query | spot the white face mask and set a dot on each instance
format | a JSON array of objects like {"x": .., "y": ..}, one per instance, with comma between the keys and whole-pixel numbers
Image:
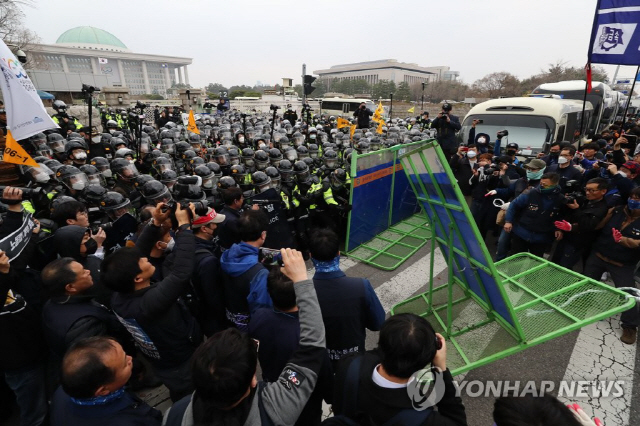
[
  {"x": 482, "y": 140},
  {"x": 80, "y": 155},
  {"x": 562, "y": 160},
  {"x": 78, "y": 186},
  {"x": 471, "y": 154},
  {"x": 170, "y": 245},
  {"x": 240, "y": 139}
]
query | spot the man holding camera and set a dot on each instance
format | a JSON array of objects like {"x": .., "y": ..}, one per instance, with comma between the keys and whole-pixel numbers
[
  {"x": 290, "y": 115},
  {"x": 447, "y": 125},
  {"x": 362, "y": 114},
  {"x": 154, "y": 313},
  {"x": 583, "y": 215}
]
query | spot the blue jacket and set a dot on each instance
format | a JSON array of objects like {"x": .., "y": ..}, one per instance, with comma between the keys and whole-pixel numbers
[
  {"x": 236, "y": 261},
  {"x": 546, "y": 207}
]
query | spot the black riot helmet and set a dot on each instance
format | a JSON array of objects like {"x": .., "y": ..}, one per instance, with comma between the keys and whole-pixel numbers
[
  {"x": 286, "y": 170},
  {"x": 338, "y": 178},
  {"x": 169, "y": 178},
  {"x": 92, "y": 195},
  {"x": 209, "y": 179},
  {"x": 313, "y": 150},
  {"x": 55, "y": 142},
  {"x": 234, "y": 156},
  {"x": 275, "y": 156},
  {"x": 103, "y": 166},
  {"x": 59, "y": 105},
  {"x": 262, "y": 159},
  {"x": 94, "y": 176},
  {"x": 301, "y": 171},
  {"x": 215, "y": 168},
  {"x": 181, "y": 147},
  {"x": 238, "y": 173},
  {"x": 261, "y": 181},
  {"x": 330, "y": 159},
  {"x": 124, "y": 169},
  {"x": 221, "y": 156},
  {"x": 247, "y": 157},
  {"x": 112, "y": 201},
  {"x": 274, "y": 175},
  {"x": 72, "y": 177},
  {"x": 226, "y": 182},
  {"x": 155, "y": 192},
  {"x": 302, "y": 151},
  {"x": 141, "y": 180}
]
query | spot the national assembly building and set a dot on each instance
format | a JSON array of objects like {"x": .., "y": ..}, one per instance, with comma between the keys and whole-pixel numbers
[{"x": 88, "y": 55}]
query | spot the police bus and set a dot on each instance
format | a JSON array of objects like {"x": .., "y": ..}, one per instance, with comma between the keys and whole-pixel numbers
[
  {"x": 603, "y": 99},
  {"x": 533, "y": 123},
  {"x": 343, "y": 107}
]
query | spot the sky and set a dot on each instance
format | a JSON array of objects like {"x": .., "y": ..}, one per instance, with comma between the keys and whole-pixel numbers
[{"x": 246, "y": 41}]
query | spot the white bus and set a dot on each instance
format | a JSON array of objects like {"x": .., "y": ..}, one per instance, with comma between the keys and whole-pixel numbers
[
  {"x": 602, "y": 98},
  {"x": 343, "y": 107},
  {"x": 533, "y": 123}
]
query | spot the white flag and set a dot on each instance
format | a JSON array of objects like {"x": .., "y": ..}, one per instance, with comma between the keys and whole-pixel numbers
[
  {"x": 103, "y": 61},
  {"x": 26, "y": 115}
]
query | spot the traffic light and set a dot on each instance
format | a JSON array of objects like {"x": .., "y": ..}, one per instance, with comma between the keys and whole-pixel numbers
[{"x": 308, "y": 88}]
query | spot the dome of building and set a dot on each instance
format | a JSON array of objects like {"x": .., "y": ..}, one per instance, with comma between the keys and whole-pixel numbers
[{"x": 91, "y": 38}]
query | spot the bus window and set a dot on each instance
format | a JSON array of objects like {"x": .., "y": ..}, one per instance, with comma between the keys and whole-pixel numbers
[
  {"x": 345, "y": 108},
  {"x": 560, "y": 136}
]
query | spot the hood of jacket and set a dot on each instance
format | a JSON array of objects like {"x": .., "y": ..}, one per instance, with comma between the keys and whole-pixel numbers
[
  {"x": 238, "y": 259},
  {"x": 68, "y": 239}
]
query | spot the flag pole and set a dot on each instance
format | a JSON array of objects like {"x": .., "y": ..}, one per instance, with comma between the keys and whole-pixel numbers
[
  {"x": 626, "y": 108},
  {"x": 584, "y": 103}
]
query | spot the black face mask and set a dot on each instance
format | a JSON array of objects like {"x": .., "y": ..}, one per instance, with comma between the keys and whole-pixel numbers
[
  {"x": 91, "y": 246},
  {"x": 554, "y": 154},
  {"x": 511, "y": 152}
]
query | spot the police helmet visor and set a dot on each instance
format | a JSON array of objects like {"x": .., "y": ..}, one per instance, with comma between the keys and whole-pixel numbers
[
  {"x": 291, "y": 155},
  {"x": 331, "y": 163},
  {"x": 298, "y": 139},
  {"x": 222, "y": 160},
  {"x": 76, "y": 181},
  {"x": 164, "y": 167},
  {"x": 303, "y": 176},
  {"x": 97, "y": 179},
  {"x": 286, "y": 176},
  {"x": 57, "y": 146},
  {"x": 249, "y": 162},
  {"x": 169, "y": 148},
  {"x": 129, "y": 171},
  {"x": 39, "y": 174}
]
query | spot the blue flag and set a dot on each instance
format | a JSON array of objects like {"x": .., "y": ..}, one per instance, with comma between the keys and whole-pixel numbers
[{"x": 615, "y": 37}]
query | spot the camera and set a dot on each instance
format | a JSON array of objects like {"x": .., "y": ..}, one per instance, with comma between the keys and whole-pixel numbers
[
  {"x": 95, "y": 227},
  {"x": 270, "y": 257},
  {"x": 141, "y": 105},
  {"x": 573, "y": 193},
  {"x": 603, "y": 164},
  {"x": 201, "y": 207},
  {"x": 491, "y": 169},
  {"x": 274, "y": 107},
  {"x": 28, "y": 193},
  {"x": 87, "y": 89},
  {"x": 503, "y": 133}
]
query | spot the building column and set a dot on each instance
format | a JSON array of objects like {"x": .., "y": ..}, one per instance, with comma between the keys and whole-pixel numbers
[
  {"x": 94, "y": 66},
  {"x": 147, "y": 86},
  {"x": 180, "y": 75},
  {"x": 167, "y": 76},
  {"x": 65, "y": 66},
  {"x": 186, "y": 75},
  {"x": 123, "y": 80}
]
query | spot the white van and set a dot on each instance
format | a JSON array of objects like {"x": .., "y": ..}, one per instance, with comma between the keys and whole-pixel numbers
[{"x": 532, "y": 123}]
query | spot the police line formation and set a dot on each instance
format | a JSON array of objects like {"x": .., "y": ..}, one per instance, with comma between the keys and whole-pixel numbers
[{"x": 163, "y": 256}]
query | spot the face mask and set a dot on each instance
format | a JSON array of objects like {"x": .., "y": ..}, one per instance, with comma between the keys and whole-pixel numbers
[
  {"x": 511, "y": 152},
  {"x": 91, "y": 245},
  {"x": 112, "y": 131},
  {"x": 312, "y": 137},
  {"x": 80, "y": 155},
  {"x": 132, "y": 161},
  {"x": 42, "y": 178},
  {"x": 482, "y": 140},
  {"x": 548, "y": 189},
  {"x": 471, "y": 154},
  {"x": 78, "y": 186},
  {"x": 623, "y": 174},
  {"x": 170, "y": 245},
  {"x": 534, "y": 175},
  {"x": 562, "y": 160},
  {"x": 554, "y": 154},
  {"x": 107, "y": 173},
  {"x": 240, "y": 139},
  {"x": 633, "y": 204}
]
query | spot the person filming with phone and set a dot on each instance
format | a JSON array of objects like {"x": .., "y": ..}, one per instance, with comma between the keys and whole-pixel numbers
[{"x": 447, "y": 125}]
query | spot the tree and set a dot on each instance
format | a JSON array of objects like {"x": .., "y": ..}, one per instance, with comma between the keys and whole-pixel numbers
[
  {"x": 15, "y": 35},
  {"x": 498, "y": 84},
  {"x": 215, "y": 88},
  {"x": 382, "y": 89},
  {"x": 403, "y": 93},
  {"x": 560, "y": 72},
  {"x": 181, "y": 86},
  {"x": 236, "y": 93},
  {"x": 437, "y": 91}
]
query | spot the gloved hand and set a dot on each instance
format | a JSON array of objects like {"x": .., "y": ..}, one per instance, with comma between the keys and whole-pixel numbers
[
  {"x": 491, "y": 193},
  {"x": 562, "y": 225},
  {"x": 505, "y": 206},
  {"x": 583, "y": 418},
  {"x": 617, "y": 235}
]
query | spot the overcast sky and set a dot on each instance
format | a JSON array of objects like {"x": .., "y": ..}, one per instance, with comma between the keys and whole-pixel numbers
[{"x": 246, "y": 41}]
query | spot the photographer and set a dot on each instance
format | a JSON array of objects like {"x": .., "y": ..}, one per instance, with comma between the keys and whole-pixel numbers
[
  {"x": 362, "y": 114},
  {"x": 485, "y": 177},
  {"x": 582, "y": 216},
  {"x": 463, "y": 165},
  {"x": 617, "y": 251},
  {"x": 290, "y": 115},
  {"x": 447, "y": 125},
  {"x": 164, "y": 330}
]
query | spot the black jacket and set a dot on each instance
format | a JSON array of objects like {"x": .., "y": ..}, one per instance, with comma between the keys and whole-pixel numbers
[
  {"x": 228, "y": 233},
  {"x": 376, "y": 405},
  {"x": 584, "y": 221},
  {"x": 363, "y": 117},
  {"x": 447, "y": 131},
  {"x": 566, "y": 174},
  {"x": 162, "y": 326},
  {"x": 462, "y": 170},
  {"x": 128, "y": 410}
]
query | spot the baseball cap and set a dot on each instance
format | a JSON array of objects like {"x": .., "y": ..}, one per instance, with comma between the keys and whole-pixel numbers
[
  {"x": 536, "y": 164},
  {"x": 210, "y": 217},
  {"x": 632, "y": 166}
]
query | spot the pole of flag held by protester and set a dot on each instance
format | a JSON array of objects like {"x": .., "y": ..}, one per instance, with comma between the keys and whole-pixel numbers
[
  {"x": 614, "y": 34},
  {"x": 26, "y": 115}
]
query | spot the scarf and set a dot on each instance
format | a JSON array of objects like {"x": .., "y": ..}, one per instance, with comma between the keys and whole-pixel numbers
[
  {"x": 327, "y": 266},
  {"x": 100, "y": 400}
]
